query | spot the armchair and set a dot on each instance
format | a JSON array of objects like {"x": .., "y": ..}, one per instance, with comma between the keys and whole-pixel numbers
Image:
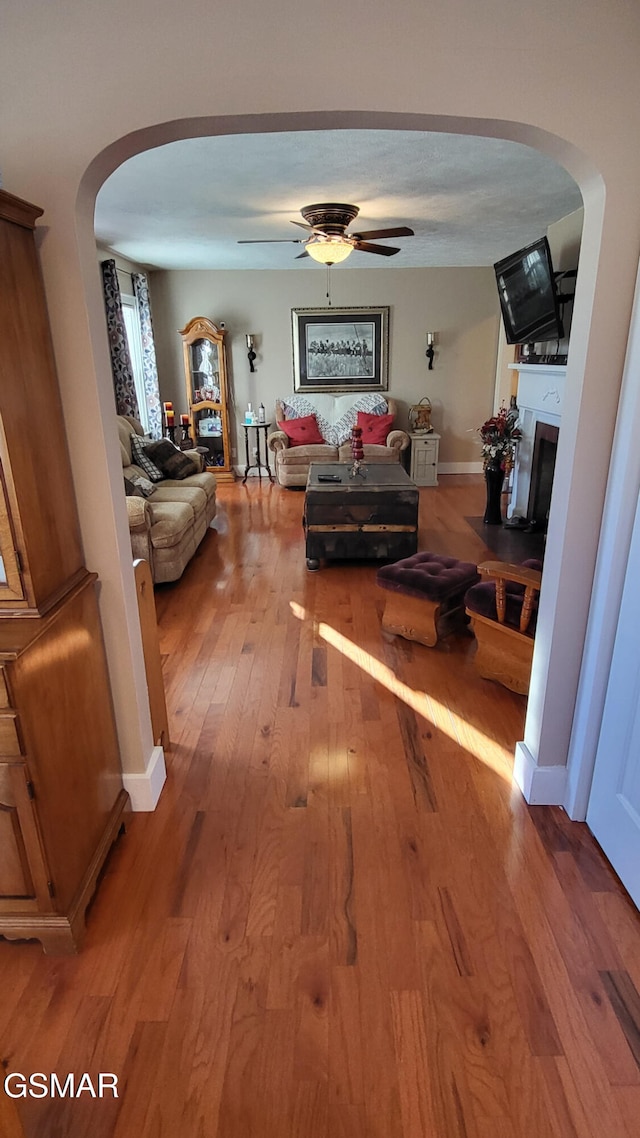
[{"x": 503, "y": 608}]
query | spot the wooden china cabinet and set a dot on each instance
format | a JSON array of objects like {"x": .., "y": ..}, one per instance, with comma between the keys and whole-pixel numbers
[
  {"x": 207, "y": 384},
  {"x": 61, "y": 794}
]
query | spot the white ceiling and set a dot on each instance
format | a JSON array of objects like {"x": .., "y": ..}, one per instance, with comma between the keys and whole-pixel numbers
[{"x": 470, "y": 200}]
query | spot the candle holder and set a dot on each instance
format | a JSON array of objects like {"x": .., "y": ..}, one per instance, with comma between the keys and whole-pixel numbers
[
  {"x": 169, "y": 418},
  {"x": 357, "y": 453},
  {"x": 251, "y": 354}
]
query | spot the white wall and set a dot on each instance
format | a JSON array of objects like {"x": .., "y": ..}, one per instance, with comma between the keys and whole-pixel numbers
[
  {"x": 86, "y": 86},
  {"x": 460, "y": 304},
  {"x": 564, "y": 238}
]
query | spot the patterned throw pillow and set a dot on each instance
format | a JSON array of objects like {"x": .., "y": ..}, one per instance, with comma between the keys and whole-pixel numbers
[
  {"x": 143, "y": 485},
  {"x": 170, "y": 460},
  {"x": 370, "y": 402},
  {"x": 344, "y": 407},
  {"x": 299, "y": 407},
  {"x": 140, "y": 458}
]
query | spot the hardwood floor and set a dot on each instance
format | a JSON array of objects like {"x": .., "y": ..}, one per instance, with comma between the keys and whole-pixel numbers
[{"x": 341, "y": 920}]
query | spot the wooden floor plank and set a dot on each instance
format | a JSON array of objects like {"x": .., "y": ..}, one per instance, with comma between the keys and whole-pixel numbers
[
  {"x": 619, "y": 917},
  {"x": 341, "y": 920},
  {"x": 625, "y": 1001}
]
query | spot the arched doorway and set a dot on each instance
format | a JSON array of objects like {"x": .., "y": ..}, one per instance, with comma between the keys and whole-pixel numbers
[{"x": 580, "y": 476}]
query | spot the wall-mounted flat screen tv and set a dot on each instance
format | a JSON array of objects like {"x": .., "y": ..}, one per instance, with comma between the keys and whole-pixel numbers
[{"x": 528, "y": 296}]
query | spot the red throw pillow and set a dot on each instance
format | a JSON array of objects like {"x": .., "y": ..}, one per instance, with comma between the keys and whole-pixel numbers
[
  {"x": 301, "y": 432},
  {"x": 375, "y": 428}
]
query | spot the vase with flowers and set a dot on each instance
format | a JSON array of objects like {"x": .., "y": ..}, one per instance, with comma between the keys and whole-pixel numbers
[{"x": 498, "y": 436}]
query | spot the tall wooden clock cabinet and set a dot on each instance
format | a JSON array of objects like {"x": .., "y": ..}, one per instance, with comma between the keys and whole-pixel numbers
[
  {"x": 61, "y": 793},
  {"x": 207, "y": 383}
]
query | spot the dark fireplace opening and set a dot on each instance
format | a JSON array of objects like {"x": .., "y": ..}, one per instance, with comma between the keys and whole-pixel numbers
[{"x": 543, "y": 466}]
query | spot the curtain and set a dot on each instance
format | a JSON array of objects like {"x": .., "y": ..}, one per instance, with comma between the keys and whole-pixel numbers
[
  {"x": 125, "y": 389},
  {"x": 150, "y": 370}
]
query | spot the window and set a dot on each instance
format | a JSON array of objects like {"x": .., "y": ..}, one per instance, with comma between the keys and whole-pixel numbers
[{"x": 134, "y": 340}]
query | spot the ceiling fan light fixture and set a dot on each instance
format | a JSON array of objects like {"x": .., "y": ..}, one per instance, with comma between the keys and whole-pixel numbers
[{"x": 329, "y": 250}]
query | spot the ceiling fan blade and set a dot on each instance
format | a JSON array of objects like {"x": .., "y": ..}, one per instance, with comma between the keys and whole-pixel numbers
[
  {"x": 272, "y": 241},
  {"x": 383, "y": 250},
  {"x": 305, "y": 254},
  {"x": 303, "y": 225},
  {"x": 400, "y": 231}
]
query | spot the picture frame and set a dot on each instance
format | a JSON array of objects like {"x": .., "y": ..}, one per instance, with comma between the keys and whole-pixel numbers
[{"x": 340, "y": 349}]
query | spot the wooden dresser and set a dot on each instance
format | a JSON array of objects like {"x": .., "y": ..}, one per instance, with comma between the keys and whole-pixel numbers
[{"x": 61, "y": 794}]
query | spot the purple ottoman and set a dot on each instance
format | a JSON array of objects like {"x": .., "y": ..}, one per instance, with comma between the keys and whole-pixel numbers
[{"x": 425, "y": 595}]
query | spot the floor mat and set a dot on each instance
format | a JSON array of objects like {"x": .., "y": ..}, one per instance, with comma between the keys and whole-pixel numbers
[{"x": 509, "y": 544}]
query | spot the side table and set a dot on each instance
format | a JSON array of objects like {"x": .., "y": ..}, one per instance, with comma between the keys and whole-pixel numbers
[
  {"x": 258, "y": 465},
  {"x": 424, "y": 458}
]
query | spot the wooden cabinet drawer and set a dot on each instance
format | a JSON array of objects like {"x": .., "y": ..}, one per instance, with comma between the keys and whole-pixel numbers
[
  {"x": 9, "y": 739},
  {"x": 4, "y": 694},
  {"x": 426, "y": 456},
  {"x": 21, "y": 864},
  {"x": 15, "y": 876}
]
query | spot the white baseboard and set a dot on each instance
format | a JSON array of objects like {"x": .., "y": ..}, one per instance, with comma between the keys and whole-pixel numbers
[
  {"x": 541, "y": 786},
  {"x": 145, "y": 789},
  {"x": 460, "y": 467}
]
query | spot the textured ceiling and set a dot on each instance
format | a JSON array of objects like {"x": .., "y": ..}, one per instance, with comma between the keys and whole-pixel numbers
[{"x": 470, "y": 200}]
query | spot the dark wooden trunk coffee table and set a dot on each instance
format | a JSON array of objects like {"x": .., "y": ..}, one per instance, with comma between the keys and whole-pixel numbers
[{"x": 372, "y": 515}]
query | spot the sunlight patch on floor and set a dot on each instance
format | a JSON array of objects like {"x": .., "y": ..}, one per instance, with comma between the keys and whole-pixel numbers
[{"x": 441, "y": 716}]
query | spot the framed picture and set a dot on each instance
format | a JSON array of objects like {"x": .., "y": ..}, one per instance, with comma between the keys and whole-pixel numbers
[{"x": 340, "y": 349}]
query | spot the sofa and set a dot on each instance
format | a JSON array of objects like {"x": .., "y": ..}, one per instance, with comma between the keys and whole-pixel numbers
[
  {"x": 334, "y": 415},
  {"x": 169, "y": 517}
]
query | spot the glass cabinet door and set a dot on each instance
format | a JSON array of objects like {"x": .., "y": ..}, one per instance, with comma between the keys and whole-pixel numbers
[
  {"x": 205, "y": 372},
  {"x": 207, "y": 393},
  {"x": 208, "y": 430}
]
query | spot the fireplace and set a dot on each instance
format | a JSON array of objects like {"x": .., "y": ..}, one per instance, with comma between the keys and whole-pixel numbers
[
  {"x": 540, "y": 398},
  {"x": 542, "y": 470}
]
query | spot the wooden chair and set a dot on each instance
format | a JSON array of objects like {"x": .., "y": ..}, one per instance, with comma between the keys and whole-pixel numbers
[{"x": 503, "y": 610}]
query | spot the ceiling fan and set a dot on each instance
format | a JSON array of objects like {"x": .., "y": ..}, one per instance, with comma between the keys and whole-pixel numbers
[{"x": 328, "y": 242}]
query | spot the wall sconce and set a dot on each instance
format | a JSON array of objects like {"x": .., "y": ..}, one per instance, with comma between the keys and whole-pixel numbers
[
  {"x": 430, "y": 352},
  {"x": 251, "y": 355}
]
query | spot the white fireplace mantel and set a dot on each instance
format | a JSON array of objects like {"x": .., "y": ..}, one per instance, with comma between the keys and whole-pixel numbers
[{"x": 540, "y": 398}]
